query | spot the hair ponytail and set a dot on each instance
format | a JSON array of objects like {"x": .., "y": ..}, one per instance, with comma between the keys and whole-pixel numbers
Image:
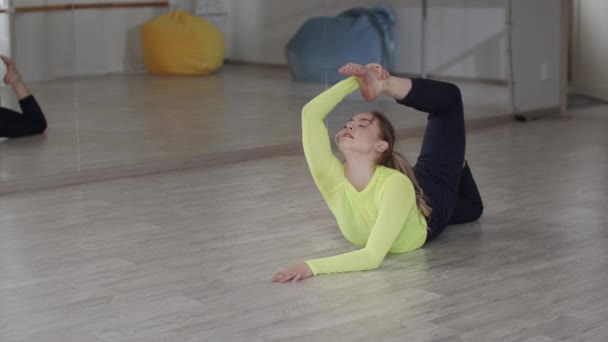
[
  {"x": 395, "y": 160},
  {"x": 400, "y": 163}
]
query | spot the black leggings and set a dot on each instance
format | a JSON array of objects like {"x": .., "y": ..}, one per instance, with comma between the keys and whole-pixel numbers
[
  {"x": 15, "y": 125},
  {"x": 441, "y": 170}
]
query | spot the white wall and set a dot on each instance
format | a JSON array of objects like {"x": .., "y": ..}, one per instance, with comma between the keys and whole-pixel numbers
[
  {"x": 536, "y": 53},
  {"x": 43, "y": 45},
  {"x": 109, "y": 40},
  {"x": 4, "y": 30},
  {"x": 49, "y": 45},
  {"x": 465, "y": 37},
  {"x": 260, "y": 29},
  {"x": 5, "y": 41},
  {"x": 590, "y": 48},
  {"x": 214, "y": 11}
]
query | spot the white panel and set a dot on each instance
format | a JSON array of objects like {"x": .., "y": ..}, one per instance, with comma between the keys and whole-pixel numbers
[
  {"x": 536, "y": 42},
  {"x": 590, "y": 76}
]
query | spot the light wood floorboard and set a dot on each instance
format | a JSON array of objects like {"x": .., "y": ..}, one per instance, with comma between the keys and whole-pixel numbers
[{"x": 188, "y": 256}]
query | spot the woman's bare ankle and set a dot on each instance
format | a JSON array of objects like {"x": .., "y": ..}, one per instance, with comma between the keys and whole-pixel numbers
[
  {"x": 397, "y": 87},
  {"x": 20, "y": 89}
]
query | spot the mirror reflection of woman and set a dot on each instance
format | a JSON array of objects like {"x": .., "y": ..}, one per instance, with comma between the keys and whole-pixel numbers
[{"x": 14, "y": 124}]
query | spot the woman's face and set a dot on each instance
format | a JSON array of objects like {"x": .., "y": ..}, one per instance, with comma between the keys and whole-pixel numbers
[{"x": 361, "y": 134}]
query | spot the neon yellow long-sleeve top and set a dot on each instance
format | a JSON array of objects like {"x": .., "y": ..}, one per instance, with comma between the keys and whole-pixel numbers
[{"x": 382, "y": 218}]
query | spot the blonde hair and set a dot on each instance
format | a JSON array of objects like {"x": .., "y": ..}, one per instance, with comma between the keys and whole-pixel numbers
[{"x": 395, "y": 160}]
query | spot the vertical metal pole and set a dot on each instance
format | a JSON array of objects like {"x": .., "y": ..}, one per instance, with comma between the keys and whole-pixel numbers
[
  {"x": 423, "y": 40},
  {"x": 509, "y": 29}
]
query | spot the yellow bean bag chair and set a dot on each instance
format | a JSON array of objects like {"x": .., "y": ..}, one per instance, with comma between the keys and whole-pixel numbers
[{"x": 178, "y": 43}]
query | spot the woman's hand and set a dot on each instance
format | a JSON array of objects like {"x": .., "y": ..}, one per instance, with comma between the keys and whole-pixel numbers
[{"x": 295, "y": 273}]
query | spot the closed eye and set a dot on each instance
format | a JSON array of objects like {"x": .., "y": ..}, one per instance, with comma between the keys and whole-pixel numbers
[{"x": 364, "y": 122}]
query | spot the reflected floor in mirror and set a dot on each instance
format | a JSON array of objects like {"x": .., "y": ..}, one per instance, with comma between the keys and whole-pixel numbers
[
  {"x": 188, "y": 255},
  {"x": 124, "y": 119}
]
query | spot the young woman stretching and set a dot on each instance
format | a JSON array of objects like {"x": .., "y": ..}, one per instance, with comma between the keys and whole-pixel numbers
[
  {"x": 380, "y": 202},
  {"x": 14, "y": 124}
]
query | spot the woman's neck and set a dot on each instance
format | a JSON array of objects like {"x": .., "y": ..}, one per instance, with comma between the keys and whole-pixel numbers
[{"x": 359, "y": 171}]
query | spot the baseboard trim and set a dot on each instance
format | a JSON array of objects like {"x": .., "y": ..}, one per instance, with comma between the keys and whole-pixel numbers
[
  {"x": 256, "y": 64},
  {"x": 541, "y": 113}
]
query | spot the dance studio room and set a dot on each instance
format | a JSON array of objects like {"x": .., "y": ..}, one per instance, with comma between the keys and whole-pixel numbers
[{"x": 322, "y": 170}]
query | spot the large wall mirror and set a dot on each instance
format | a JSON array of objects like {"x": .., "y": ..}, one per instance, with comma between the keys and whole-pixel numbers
[{"x": 87, "y": 64}]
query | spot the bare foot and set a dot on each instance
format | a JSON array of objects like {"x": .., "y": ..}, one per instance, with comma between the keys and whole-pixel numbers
[
  {"x": 383, "y": 73},
  {"x": 369, "y": 80},
  {"x": 12, "y": 75}
]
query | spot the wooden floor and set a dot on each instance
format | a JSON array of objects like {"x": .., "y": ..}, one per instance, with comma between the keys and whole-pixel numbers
[
  {"x": 117, "y": 120},
  {"x": 188, "y": 256}
]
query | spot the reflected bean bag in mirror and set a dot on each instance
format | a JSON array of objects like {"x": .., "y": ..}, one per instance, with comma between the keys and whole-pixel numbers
[{"x": 178, "y": 43}]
